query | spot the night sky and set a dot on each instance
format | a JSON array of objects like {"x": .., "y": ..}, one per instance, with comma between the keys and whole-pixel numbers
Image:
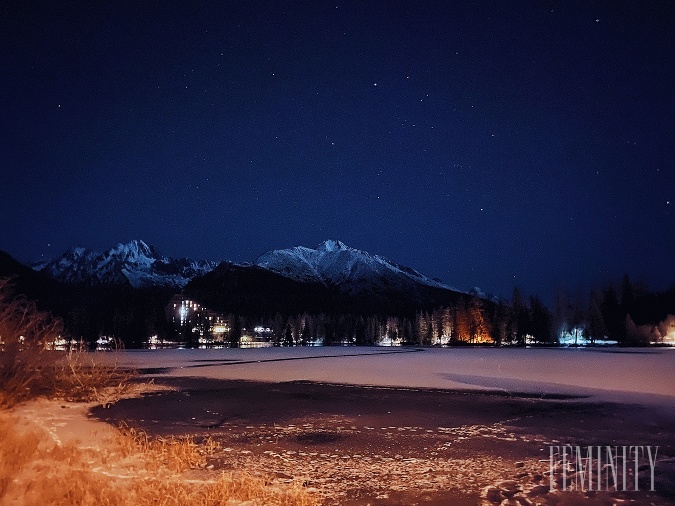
[{"x": 489, "y": 144}]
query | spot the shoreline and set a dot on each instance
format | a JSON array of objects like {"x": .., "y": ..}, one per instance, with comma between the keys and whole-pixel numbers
[{"x": 389, "y": 446}]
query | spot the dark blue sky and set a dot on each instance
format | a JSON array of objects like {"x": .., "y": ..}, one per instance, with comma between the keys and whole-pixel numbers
[{"x": 490, "y": 144}]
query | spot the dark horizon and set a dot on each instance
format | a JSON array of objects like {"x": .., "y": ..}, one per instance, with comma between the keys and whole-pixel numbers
[{"x": 489, "y": 145}]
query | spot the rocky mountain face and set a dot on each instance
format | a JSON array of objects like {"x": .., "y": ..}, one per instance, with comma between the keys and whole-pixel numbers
[
  {"x": 134, "y": 263},
  {"x": 334, "y": 264}
]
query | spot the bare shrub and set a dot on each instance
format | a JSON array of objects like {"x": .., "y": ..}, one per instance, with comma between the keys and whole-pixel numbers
[
  {"x": 29, "y": 369},
  {"x": 25, "y": 367}
]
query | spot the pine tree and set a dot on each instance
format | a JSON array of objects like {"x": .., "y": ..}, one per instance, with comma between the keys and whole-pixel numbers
[
  {"x": 235, "y": 331},
  {"x": 288, "y": 336},
  {"x": 305, "y": 337},
  {"x": 463, "y": 324},
  {"x": 499, "y": 321},
  {"x": 596, "y": 323},
  {"x": 278, "y": 326},
  {"x": 541, "y": 321},
  {"x": 612, "y": 315}
]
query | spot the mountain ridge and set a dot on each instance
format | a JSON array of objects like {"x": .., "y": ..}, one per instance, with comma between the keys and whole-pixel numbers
[
  {"x": 134, "y": 263},
  {"x": 331, "y": 263}
]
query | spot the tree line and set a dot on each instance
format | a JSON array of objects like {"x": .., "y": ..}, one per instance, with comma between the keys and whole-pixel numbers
[
  {"x": 607, "y": 315},
  {"x": 623, "y": 311}
]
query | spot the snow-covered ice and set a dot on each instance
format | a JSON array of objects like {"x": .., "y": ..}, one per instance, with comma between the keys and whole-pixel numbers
[{"x": 614, "y": 374}]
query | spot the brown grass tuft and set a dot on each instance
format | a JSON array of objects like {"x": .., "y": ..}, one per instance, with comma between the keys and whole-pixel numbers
[
  {"x": 245, "y": 487},
  {"x": 132, "y": 470},
  {"x": 174, "y": 453},
  {"x": 80, "y": 377}
]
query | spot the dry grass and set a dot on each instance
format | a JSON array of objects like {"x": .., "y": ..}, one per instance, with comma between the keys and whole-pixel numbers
[
  {"x": 174, "y": 453},
  {"x": 80, "y": 377},
  {"x": 75, "y": 376},
  {"x": 132, "y": 470},
  {"x": 258, "y": 490},
  {"x": 28, "y": 369}
]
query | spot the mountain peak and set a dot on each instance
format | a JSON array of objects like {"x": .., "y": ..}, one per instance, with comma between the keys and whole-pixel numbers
[
  {"x": 134, "y": 249},
  {"x": 332, "y": 245},
  {"x": 137, "y": 243},
  {"x": 77, "y": 251}
]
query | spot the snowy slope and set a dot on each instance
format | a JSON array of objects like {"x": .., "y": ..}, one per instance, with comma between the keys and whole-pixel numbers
[
  {"x": 135, "y": 263},
  {"x": 335, "y": 264}
]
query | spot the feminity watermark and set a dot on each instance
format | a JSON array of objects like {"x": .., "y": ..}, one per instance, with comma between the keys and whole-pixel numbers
[{"x": 612, "y": 468}]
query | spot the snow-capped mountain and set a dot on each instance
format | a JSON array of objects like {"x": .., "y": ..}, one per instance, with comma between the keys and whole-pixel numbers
[
  {"x": 333, "y": 263},
  {"x": 135, "y": 263},
  {"x": 330, "y": 279}
]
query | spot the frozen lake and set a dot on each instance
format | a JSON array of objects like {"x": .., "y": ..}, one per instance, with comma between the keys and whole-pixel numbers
[{"x": 617, "y": 374}]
